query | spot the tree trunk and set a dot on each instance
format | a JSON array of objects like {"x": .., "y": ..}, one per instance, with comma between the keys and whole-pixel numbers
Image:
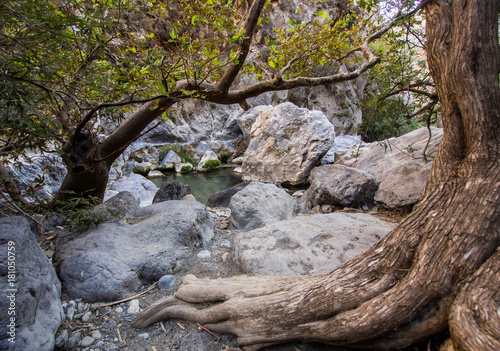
[
  {"x": 437, "y": 266},
  {"x": 88, "y": 161}
]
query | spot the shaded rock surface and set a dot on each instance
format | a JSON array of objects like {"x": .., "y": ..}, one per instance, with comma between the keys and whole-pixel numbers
[
  {"x": 341, "y": 186},
  {"x": 112, "y": 261},
  {"x": 121, "y": 205},
  {"x": 36, "y": 289},
  {"x": 172, "y": 191},
  {"x": 399, "y": 166},
  {"x": 140, "y": 187},
  {"x": 286, "y": 143},
  {"x": 259, "y": 204},
  {"x": 307, "y": 244},
  {"x": 169, "y": 161},
  {"x": 222, "y": 198}
]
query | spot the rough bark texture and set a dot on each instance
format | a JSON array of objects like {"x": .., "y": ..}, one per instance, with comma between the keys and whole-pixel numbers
[{"x": 401, "y": 290}]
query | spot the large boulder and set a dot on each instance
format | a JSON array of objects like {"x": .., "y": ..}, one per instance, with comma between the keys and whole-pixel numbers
[
  {"x": 399, "y": 166},
  {"x": 169, "y": 161},
  {"x": 30, "y": 307},
  {"x": 172, "y": 191},
  {"x": 114, "y": 260},
  {"x": 140, "y": 187},
  {"x": 208, "y": 161},
  {"x": 287, "y": 142},
  {"x": 342, "y": 142},
  {"x": 222, "y": 198},
  {"x": 259, "y": 204},
  {"x": 307, "y": 244},
  {"x": 122, "y": 205},
  {"x": 340, "y": 186},
  {"x": 247, "y": 119}
]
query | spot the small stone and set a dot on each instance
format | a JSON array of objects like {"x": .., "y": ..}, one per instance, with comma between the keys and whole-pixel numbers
[
  {"x": 144, "y": 335},
  {"x": 81, "y": 307},
  {"x": 96, "y": 334},
  {"x": 70, "y": 310},
  {"x": 87, "y": 317},
  {"x": 133, "y": 307},
  {"x": 119, "y": 310},
  {"x": 62, "y": 339},
  {"x": 73, "y": 340},
  {"x": 166, "y": 282},
  {"x": 225, "y": 243},
  {"x": 204, "y": 254},
  {"x": 87, "y": 341}
]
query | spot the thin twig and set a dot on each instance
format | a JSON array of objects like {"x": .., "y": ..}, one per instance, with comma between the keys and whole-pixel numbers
[
  {"x": 208, "y": 331},
  {"x": 129, "y": 298}
]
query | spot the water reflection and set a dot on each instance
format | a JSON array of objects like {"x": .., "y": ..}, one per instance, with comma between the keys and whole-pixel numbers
[{"x": 203, "y": 185}]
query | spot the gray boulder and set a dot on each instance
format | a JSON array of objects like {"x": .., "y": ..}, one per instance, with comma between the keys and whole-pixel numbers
[
  {"x": 340, "y": 186},
  {"x": 172, "y": 191},
  {"x": 259, "y": 204},
  {"x": 342, "y": 142},
  {"x": 247, "y": 119},
  {"x": 114, "y": 260},
  {"x": 123, "y": 204},
  {"x": 399, "y": 166},
  {"x": 183, "y": 167},
  {"x": 307, "y": 244},
  {"x": 222, "y": 198},
  {"x": 207, "y": 156},
  {"x": 169, "y": 161},
  {"x": 140, "y": 187},
  {"x": 287, "y": 142},
  {"x": 35, "y": 292}
]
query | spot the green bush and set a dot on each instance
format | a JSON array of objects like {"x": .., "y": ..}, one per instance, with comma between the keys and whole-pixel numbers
[
  {"x": 185, "y": 169},
  {"x": 225, "y": 157},
  {"x": 212, "y": 164},
  {"x": 387, "y": 120}
]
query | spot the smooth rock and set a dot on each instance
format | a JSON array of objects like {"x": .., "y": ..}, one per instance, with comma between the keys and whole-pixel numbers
[
  {"x": 203, "y": 255},
  {"x": 87, "y": 341},
  {"x": 222, "y": 198},
  {"x": 286, "y": 143},
  {"x": 259, "y": 204},
  {"x": 114, "y": 260},
  {"x": 189, "y": 197},
  {"x": 169, "y": 161},
  {"x": 155, "y": 174},
  {"x": 307, "y": 244},
  {"x": 70, "y": 310},
  {"x": 399, "y": 166},
  {"x": 207, "y": 156},
  {"x": 62, "y": 339},
  {"x": 140, "y": 187},
  {"x": 340, "y": 186},
  {"x": 96, "y": 334},
  {"x": 166, "y": 282},
  {"x": 121, "y": 205},
  {"x": 38, "y": 308},
  {"x": 171, "y": 191},
  {"x": 133, "y": 307},
  {"x": 341, "y": 142},
  {"x": 87, "y": 317},
  {"x": 183, "y": 167}
]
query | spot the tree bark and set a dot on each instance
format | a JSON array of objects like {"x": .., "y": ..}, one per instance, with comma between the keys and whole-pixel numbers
[{"x": 401, "y": 290}]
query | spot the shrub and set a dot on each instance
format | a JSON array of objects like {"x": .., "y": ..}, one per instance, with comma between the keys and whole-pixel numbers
[
  {"x": 212, "y": 164},
  {"x": 185, "y": 169},
  {"x": 142, "y": 171}
]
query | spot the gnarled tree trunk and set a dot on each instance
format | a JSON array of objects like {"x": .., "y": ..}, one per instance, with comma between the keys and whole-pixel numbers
[{"x": 438, "y": 267}]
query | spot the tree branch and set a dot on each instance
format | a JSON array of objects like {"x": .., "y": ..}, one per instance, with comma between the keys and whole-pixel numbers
[{"x": 249, "y": 28}]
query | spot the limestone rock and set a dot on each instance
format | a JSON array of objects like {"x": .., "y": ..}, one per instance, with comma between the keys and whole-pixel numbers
[
  {"x": 37, "y": 302},
  {"x": 172, "y": 191},
  {"x": 140, "y": 187},
  {"x": 399, "y": 166},
  {"x": 342, "y": 142},
  {"x": 307, "y": 244},
  {"x": 259, "y": 204},
  {"x": 183, "y": 167},
  {"x": 341, "y": 186},
  {"x": 247, "y": 119},
  {"x": 114, "y": 260},
  {"x": 222, "y": 198},
  {"x": 208, "y": 156},
  {"x": 287, "y": 142},
  {"x": 169, "y": 161},
  {"x": 121, "y": 205}
]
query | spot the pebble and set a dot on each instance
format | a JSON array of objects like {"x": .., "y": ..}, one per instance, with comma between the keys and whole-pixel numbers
[
  {"x": 87, "y": 317},
  {"x": 96, "y": 334},
  {"x": 225, "y": 243},
  {"x": 73, "y": 339},
  {"x": 204, "y": 254},
  {"x": 134, "y": 307},
  {"x": 144, "y": 335},
  {"x": 166, "y": 282},
  {"x": 87, "y": 341},
  {"x": 81, "y": 307},
  {"x": 70, "y": 310},
  {"x": 62, "y": 339},
  {"x": 119, "y": 310}
]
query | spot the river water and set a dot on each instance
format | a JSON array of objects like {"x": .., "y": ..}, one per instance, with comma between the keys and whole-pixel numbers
[{"x": 203, "y": 184}]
